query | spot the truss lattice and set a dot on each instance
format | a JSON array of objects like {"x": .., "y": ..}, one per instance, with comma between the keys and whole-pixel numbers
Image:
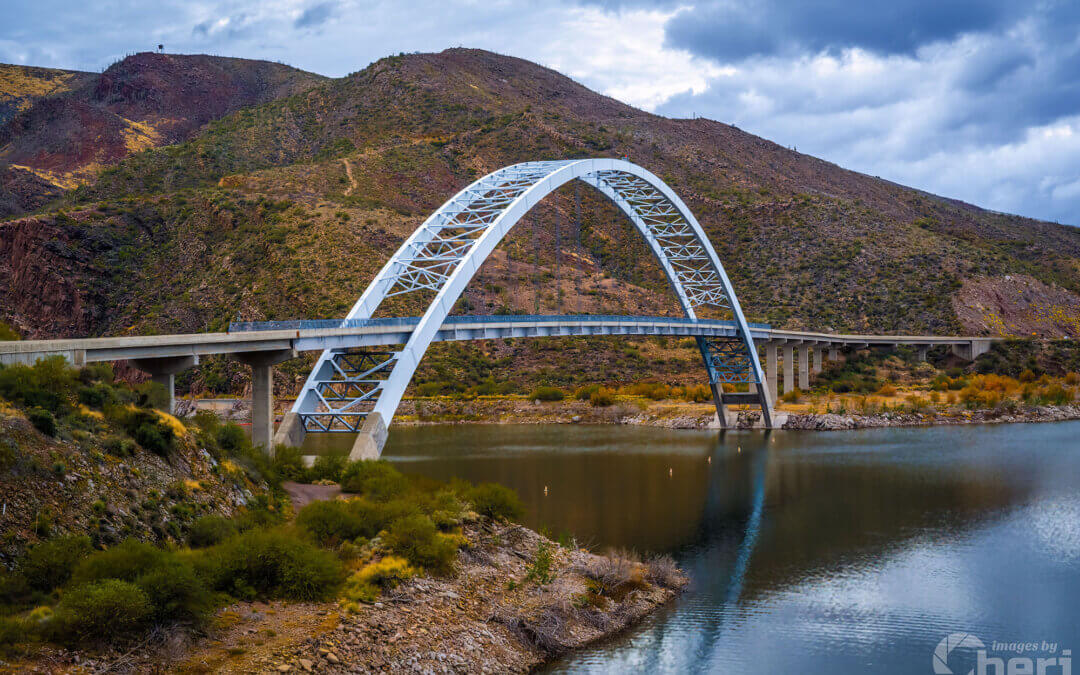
[{"x": 449, "y": 247}]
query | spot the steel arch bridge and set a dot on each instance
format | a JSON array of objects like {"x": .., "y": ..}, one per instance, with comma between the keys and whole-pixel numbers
[{"x": 356, "y": 391}]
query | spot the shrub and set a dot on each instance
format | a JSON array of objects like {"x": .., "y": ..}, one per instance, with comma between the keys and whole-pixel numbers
[
  {"x": 50, "y": 564},
  {"x": 168, "y": 581},
  {"x": 495, "y": 501},
  {"x": 331, "y": 522},
  {"x": 289, "y": 464},
  {"x": 42, "y": 420},
  {"x": 547, "y": 394},
  {"x": 327, "y": 467},
  {"x": 584, "y": 393},
  {"x": 887, "y": 390},
  {"x": 366, "y": 584},
  {"x": 119, "y": 446},
  {"x": 601, "y": 398},
  {"x": 174, "y": 591},
  {"x": 374, "y": 479},
  {"x": 273, "y": 564},
  {"x": 211, "y": 530},
  {"x": 231, "y": 438},
  {"x": 110, "y": 608},
  {"x": 416, "y": 539},
  {"x": 540, "y": 570},
  {"x": 663, "y": 571},
  {"x": 791, "y": 396}
]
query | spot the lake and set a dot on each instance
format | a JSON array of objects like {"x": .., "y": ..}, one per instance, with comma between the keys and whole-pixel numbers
[{"x": 810, "y": 552}]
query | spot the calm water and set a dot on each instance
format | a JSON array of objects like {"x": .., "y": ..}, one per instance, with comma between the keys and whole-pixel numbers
[{"x": 809, "y": 552}]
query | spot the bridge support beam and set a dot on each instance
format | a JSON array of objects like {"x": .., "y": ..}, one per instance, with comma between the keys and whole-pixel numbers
[
  {"x": 770, "y": 369},
  {"x": 818, "y": 354},
  {"x": 970, "y": 351},
  {"x": 163, "y": 371},
  {"x": 789, "y": 368},
  {"x": 834, "y": 354},
  {"x": 372, "y": 437},
  {"x": 804, "y": 368},
  {"x": 921, "y": 353},
  {"x": 262, "y": 394}
]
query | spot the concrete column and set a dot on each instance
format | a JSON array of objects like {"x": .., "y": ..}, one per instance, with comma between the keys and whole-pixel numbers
[
  {"x": 804, "y": 368},
  {"x": 163, "y": 371},
  {"x": 818, "y": 353},
  {"x": 770, "y": 369},
  {"x": 262, "y": 393},
  {"x": 834, "y": 354},
  {"x": 789, "y": 368},
  {"x": 922, "y": 350}
]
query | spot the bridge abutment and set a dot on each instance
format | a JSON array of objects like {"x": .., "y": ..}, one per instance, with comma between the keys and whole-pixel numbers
[{"x": 371, "y": 439}]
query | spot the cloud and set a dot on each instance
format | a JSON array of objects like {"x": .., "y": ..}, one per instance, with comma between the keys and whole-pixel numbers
[
  {"x": 965, "y": 98},
  {"x": 735, "y": 30},
  {"x": 316, "y": 15}
]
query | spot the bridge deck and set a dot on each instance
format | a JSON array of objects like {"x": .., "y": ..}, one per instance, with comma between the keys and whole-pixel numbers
[{"x": 319, "y": 335}]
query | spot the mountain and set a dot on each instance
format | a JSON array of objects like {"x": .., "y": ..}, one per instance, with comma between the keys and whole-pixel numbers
[
  {"x": 287, "y": 209},
  {"x": 64, "y": 126}
]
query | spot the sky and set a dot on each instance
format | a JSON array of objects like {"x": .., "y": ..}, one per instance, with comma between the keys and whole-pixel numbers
[{"x": 975, "y": 100}]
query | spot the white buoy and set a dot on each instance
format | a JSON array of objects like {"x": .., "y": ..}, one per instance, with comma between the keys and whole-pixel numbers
[{"x": 545, "y": 491}]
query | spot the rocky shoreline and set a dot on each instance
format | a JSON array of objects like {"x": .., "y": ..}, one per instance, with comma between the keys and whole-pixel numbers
[
  {"x": 491, "y": 616},
  {"x": 674, "y": 415}
]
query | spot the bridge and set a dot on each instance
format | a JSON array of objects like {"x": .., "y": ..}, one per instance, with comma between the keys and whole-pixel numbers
[{"x": 359, "y": 380}]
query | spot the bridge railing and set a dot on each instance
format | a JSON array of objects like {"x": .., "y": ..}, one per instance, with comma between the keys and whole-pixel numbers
[{"x": 391, "y": 322}]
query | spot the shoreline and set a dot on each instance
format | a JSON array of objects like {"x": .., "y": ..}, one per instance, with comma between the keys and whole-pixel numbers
[
  {"x": 675, "y": 415},
  {"x": 491, "y": 616}
]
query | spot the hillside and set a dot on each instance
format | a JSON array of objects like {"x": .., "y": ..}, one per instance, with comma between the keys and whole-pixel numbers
[
  {"x": 287, "y": 209},
  {"x": 64, "y": 126}
]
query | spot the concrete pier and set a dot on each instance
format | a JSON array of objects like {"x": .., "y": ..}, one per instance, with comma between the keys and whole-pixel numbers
[
  {"x": 804, "y": 368},
  {"x": 770, "y": 369},
  {"x": 163, "y": 371},
  {"x": 262, "y": 393},
  {"x": 789, "y": 368},
  {"x": 818, "y": 354},
  {"x": 834, "y": 354}
]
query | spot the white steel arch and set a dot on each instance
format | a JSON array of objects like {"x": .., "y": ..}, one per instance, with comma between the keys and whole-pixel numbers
[{"x": 351, "y": 392}]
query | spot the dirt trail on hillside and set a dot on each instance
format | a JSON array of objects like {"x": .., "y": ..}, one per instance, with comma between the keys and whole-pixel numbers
[{"x": 352, "y": 181}]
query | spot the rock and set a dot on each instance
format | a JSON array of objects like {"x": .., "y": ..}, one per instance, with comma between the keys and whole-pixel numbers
[
  {"x": 332, "y": 658},
  {"x": 284, "y": 668},
  {"x": 305, "y": 664}
]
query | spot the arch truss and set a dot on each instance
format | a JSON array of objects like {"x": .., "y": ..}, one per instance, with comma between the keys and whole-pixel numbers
[{"x": 351, "y": 391}]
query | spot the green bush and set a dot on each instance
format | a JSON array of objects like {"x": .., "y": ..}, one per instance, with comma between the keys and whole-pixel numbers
[
  {"x": 119, "y": 446},
  {"x": 145, "y": 426},
  {"x": 374, "y": 479},
  {"x": 289, "y": 464},
  {"x": 495, "y": 501},
  {"x": 109, "y": 608},
  {"x": 211, "y": 530},
  {"x": 547, "y": 394},
  {"x": 48, "y": 384},
  {"x": 42, "y": 420},
  {"x": 167, "y": 579},
  {"x": 331, "y": 522},
  {"x": 586, "y": 392},
  {"x": 328, "y": 467},
  {"x": 272, "y": 564},
  {"x": 49, "y": 565},
  {"x": 416, "y": 539}
]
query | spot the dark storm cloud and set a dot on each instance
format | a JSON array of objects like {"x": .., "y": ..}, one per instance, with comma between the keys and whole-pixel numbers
[
  {"x": 731, "y": 31},
  {"x": 316, "y": 15}
]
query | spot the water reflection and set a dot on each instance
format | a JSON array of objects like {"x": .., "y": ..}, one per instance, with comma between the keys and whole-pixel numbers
[{"x": 811, "y": 552}]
